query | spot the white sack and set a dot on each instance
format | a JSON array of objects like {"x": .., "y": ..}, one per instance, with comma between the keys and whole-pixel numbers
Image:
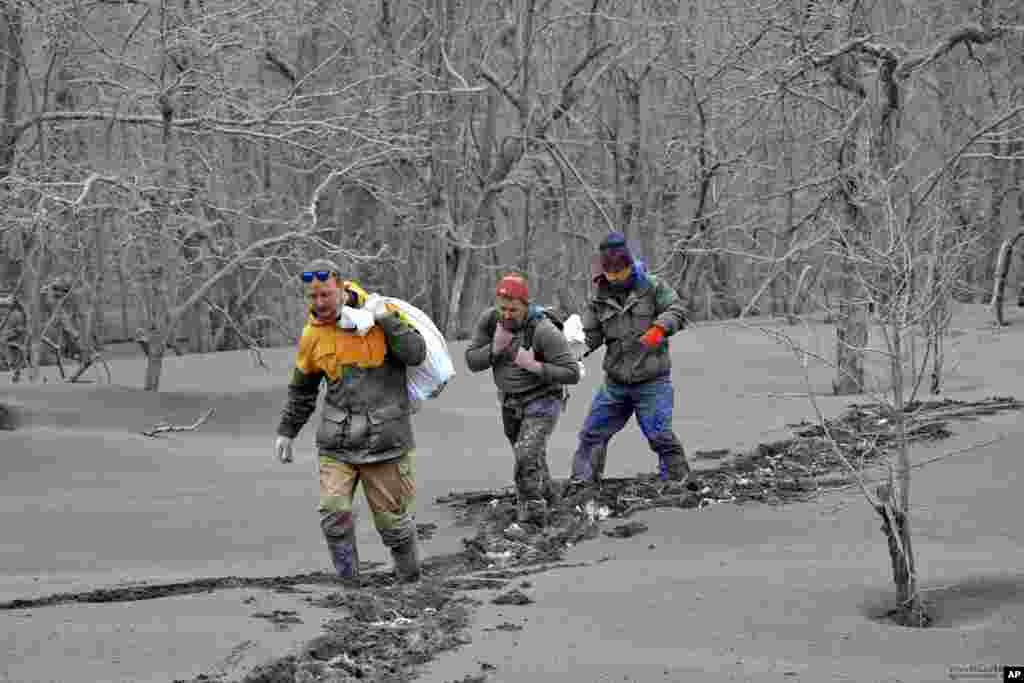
[{"x": 429, "y": 378}]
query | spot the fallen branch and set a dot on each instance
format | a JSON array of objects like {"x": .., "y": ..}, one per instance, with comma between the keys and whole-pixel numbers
[{"x": 164, "y": 427}]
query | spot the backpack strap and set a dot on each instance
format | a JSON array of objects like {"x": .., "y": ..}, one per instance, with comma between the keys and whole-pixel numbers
[
  {"x": 531, "y": 328},
  {"x": 532, "y": 323}
]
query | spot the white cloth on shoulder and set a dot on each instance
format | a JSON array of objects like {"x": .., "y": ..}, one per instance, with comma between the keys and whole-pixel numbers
[
  {"x": 355, "y": 319},
  {"x": 573, "y": 331}
]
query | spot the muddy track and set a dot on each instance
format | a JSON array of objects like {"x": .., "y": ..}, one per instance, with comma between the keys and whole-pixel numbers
[
  {"x": 191, "y": 587},
  {"x": 387, "y": 632}
]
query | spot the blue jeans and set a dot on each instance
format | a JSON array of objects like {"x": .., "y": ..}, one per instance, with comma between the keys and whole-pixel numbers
[{"x": 611, "y": 409}]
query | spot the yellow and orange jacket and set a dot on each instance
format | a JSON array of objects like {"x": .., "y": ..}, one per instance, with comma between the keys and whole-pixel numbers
[{"x": 366, "y": 411}]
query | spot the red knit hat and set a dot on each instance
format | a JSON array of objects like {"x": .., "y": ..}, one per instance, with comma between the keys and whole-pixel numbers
[{"x": 513, "y": 286}]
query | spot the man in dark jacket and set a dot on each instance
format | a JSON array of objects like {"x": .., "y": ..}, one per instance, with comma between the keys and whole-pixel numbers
[
  {"x": 632, "y": 314},
  {"x": 365, "y": 430},
  {"x": 530, "y": 360}
]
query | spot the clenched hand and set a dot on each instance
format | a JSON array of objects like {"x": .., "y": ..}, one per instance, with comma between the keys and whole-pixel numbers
[
  {"x": 502, "y": 339},
  {"x": 526, "y": 360}
]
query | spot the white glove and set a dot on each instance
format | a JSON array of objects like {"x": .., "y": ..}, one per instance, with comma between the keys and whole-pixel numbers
[
  {"x": 583, "y": 369},
  {"x": 283, "y": 449},
  {"x": 356, "y": 319}
]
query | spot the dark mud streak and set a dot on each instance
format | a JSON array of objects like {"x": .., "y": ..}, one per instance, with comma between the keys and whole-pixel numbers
[{"x": 154, "y": 591}]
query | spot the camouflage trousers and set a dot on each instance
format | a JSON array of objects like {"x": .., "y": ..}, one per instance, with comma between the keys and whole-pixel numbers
[
  {"x": 390, "y": 489},
  {"x": 528, "y": 427}
]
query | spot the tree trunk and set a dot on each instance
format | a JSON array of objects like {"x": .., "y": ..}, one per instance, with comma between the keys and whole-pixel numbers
[
  {"x": 123, "y": 295},
  {"x": 458, "y": 287},
  {"x": 800, "y": 290},
  {"x": 852, "y": 326},
  {"x": 936, "y": 321},
  {"x": 1003, "y": 262},
  {"x": 158, "y": 264},
  {"x": 896, "y": 517},
  {"x": 911, "y": 610},
  {"x": 10, "y": 41},
  {"x": 788, "y": 161},
  {"x": 854, "y": 237},
  {"x": 155, "y": 352},
  {"x": 443, "y": 211},
  {"x": 35, "y": 260},
  {"x": 1017, "y": 149}
]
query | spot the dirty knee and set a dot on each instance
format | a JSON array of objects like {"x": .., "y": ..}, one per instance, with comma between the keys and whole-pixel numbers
[
  {"x": 337, "y": 524},
  {"x": 395, "y": 529}
]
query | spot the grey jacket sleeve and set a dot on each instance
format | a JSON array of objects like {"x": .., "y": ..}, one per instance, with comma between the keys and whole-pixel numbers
[
  {"x": 559, "y": 365},
  {"x": 303, "y": 390},
  {"x": 669, "y": 309},
  {"x": 478, "y": 353},
  {"x": 592, "y": 329}
]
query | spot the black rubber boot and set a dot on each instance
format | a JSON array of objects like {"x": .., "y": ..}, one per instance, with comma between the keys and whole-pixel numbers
[
  {"x": 339, "y": 529},
  {"x": 407, "y": 561},
  {"x": 345, "y": 556},
  {"x": 673, "y": 468}
]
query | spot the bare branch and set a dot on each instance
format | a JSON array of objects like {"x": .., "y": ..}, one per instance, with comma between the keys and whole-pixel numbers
[
  {"x": 562, "y": 159},
  {"x": 463, "y": 85},
  {"x": 570, "y": 93},
  {"x": 165, "y": 427},
  {"x": 968, "y": 35},
  {"x": 137, "y": 119},
  {"x": 937, "y": 175},
  {"x": 335, "y": 174},
  {"x": 488, "y": 76},
  {"x": 253, "y": 347},
  {"x": 280, "y": 65}
]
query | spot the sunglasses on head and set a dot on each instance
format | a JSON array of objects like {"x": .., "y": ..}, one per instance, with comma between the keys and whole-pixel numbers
[{"x": 321, "y": 275}]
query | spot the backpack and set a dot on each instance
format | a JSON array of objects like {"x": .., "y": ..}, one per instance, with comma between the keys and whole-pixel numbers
[{"x": 555, "y": 318}]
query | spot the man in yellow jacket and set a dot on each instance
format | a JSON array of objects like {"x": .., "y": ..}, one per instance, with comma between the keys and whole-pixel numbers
[{"x": 365, "y": 431}]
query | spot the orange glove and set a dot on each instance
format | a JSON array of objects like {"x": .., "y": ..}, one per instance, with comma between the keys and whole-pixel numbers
[{"x": 654, "y": 336}]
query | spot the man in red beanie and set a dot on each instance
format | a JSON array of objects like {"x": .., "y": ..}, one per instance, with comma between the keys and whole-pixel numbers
[
  {"x": 632, "y": 315},
  {"x": 530, "y": 360}
]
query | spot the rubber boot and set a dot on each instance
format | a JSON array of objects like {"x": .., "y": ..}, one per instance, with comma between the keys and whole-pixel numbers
[
  {"x": 407, "y": 561},
  {"x": 579, "y": 492},
  {"x": 673, "y": 468},
  {"x": 345, "y": 556}
]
